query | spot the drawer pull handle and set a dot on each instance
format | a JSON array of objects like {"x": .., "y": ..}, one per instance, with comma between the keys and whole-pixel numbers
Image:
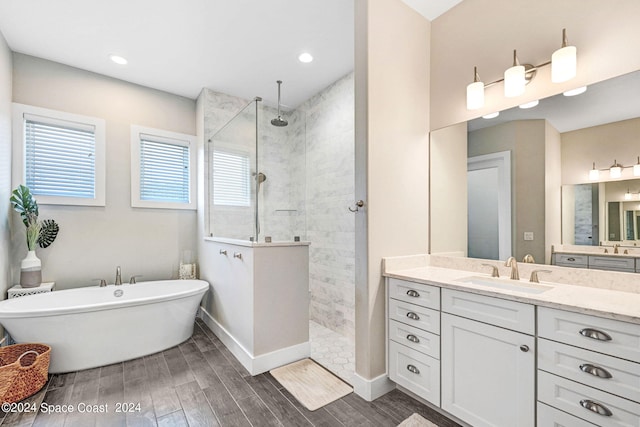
[
  {"x": 411, "y": 315},
  {"x": 524, "y": 348},
  {"x": 413, "y": 293},
  {"x": 571, "y": 259},
  {"x": 223, "y": 251},
  {"x": 596, "y": 407},
  {"x": 596, "y": 371},
  {"x": 413, "y": 338},
  {"x": 595, "y": 334},
  {"x": 413, "y": 369}
]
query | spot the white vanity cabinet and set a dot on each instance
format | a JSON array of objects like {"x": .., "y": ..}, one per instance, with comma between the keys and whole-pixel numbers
[
  {"x": 413, "y": 332},
  {"x": 488, "y": 359},
  {"x": 588, "y": 367}
]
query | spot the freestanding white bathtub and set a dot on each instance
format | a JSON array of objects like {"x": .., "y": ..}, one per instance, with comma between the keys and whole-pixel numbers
[{"x": 96, "y": 326}]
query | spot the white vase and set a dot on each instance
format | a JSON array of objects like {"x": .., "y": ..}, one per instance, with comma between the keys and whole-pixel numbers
[{"x": 31, "y": 271}]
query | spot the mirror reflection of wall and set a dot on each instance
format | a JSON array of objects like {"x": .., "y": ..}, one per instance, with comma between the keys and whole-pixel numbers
[{"x": 600, "y": 125}]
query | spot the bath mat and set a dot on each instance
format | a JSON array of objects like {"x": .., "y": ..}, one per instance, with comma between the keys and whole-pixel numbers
[
  {"x": 310, "y": 383},
  {"x": 416, "y": 420}
]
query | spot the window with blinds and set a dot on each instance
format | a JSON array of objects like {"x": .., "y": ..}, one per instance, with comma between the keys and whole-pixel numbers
[
  {"x": 231, "y": 179},
  {"x": 164, "y": 170},
  {"x": 163, "y": 167},
  {"x": 59, "y": 157}
]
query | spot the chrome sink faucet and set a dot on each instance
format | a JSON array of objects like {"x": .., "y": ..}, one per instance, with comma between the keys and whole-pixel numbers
[
  {"x": 118, "y": 276},
  {"x": 511, "y": 262}
]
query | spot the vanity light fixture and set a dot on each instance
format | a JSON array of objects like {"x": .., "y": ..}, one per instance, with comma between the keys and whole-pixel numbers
[
  {"x": 615, "y": 171},
  {"x": 475, "y": 92},
  {"x": 627, "y": 195},
  {"x": 514, "y": 78},
  {"x": 563, "y": 61},
  {"x": 118, "y": 59},
  {"x": 529, "y": 104},
  {"x": 563, "y": 68},
  {"x": 594, "y": 174},
  {"x": 491, "y": 115}
]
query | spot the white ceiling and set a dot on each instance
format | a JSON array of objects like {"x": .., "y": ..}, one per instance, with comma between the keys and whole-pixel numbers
[
  {"x": 431, "y": 9},
  {"x": 238, "y": 47}
]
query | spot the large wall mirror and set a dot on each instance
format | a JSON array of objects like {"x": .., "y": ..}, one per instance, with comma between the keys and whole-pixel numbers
[{"x": 551, "y": 147}]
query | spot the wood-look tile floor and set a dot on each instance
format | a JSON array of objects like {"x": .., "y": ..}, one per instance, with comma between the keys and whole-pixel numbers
[{"x": 198, "y": 383}]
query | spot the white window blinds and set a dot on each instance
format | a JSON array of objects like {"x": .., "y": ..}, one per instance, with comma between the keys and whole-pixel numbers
[
  {"x": 59, "y": 157},
  {"x": 231, "y": 179},
  {"x": 164, "y": 170}
]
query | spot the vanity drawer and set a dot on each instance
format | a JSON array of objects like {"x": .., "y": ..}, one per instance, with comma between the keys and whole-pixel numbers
[
  {"x": 495, "y": 311},
  {"x": 415, "y": 293},
  {"x": 415, "y": 315},
  {"x": 571, "y": 260},
  {"x": 613, "y": 337},
  {"x": 570, "y": 397},
  {"x": 417, "y": 339},
  {"x": 549, "y": 416},
  {"x": 590, "y": 368},
  {"x": 415, "y": 371},
  {"x": 612, "y": 263}
]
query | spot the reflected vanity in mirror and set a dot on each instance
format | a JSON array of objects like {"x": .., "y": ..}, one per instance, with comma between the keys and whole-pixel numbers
[{"x": 552, "y": 147}]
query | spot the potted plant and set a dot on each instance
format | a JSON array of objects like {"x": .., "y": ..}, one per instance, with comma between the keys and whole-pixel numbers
[{"x": 42, "y": 233}]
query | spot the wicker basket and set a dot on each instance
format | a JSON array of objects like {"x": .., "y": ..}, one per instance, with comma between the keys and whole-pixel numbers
[{"x": 24, "y": 370}]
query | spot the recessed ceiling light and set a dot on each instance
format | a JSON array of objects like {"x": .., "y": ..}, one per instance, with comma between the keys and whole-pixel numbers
[
  {"x": 305, "y": 57},
  {"x": 529, "y": 104},
  {"x": 118, "y": 59},
  {"x": 574, "y": 92},
  {"x": 491, "y": 115}
]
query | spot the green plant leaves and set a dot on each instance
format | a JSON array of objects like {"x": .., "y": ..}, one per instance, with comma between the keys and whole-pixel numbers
[
  {"x": 48, "y": 233},
  {"x": 24, "y": 203}
]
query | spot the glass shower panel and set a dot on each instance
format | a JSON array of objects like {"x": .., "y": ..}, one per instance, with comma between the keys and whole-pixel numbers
[
  {"x": 282, "y": 161},
  {"x": 231, "y": 156}
]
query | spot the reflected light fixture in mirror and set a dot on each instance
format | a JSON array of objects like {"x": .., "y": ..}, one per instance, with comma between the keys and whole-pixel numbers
[
  {"x": 563, "y": 68},
  {"x": 615, "y": 171},
  {"x": 636, "y": 168}
]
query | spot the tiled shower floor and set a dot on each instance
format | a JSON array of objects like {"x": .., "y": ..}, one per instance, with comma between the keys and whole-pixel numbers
[{"x": 333, "y": 351}]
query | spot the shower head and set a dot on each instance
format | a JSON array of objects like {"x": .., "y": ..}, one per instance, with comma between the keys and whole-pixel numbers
[{"x": 279, "y": 121}]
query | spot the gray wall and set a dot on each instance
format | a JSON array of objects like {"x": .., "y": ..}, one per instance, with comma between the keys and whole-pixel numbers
[
  {"x": 5, "y": 165},
  {"x": 94, "y": 240}
]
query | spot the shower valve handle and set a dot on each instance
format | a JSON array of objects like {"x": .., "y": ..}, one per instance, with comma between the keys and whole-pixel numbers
[{"x": 359, "y": 204}]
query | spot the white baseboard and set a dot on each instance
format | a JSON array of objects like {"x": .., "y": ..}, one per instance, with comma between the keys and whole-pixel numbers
[
  {"x": 255, "y": 364},
  {"x": 370, "y": 390}
]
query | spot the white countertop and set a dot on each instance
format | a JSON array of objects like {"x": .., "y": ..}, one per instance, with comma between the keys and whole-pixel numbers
[{"x": 607, "y": 303}]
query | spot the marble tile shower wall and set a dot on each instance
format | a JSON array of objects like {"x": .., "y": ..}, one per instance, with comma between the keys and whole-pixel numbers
[
  {"x": 330, "y": 190},
  {"x": 280, "y": 157},
  {"x": 310, "y": 184}
]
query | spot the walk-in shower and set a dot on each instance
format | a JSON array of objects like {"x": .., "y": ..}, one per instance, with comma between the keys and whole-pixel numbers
[{"x": 242, "y": 203}]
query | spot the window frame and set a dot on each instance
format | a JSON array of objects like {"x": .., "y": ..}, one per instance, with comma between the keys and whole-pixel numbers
[
  {"x": 161, "y": 135},
  {"x": 54, "y": 117}
]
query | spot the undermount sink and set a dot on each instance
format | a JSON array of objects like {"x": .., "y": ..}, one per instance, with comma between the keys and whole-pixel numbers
[{"x": 507, "y": 284}]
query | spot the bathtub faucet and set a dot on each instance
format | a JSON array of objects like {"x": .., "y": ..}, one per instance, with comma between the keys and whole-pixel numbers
[{"x": 118, "y": 276}]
